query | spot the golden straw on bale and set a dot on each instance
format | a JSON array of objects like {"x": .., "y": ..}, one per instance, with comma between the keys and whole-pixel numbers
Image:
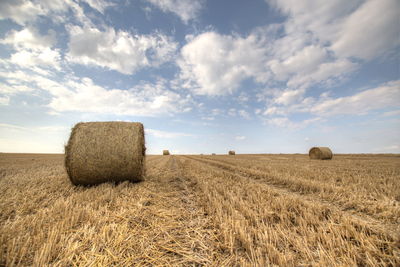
[
  {"x": 165, "y": 152},
  {"x": 320, "y": 153},
  {"x": 100, "y": 152},
  {"x": 231, "y": 152}
]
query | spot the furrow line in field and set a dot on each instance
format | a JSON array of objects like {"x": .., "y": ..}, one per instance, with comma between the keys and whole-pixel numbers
[
  {"x": 231, "y": 232},
  {"x": 298, "y": 183},
  {"x": 194, "y": 239},
  {"x": 393, "y": 228},
  {"x": 375, "y": 181},
  {"x": 155, "y": 165},
  {"x": 274, "y": 227},
  {"x": 387, "y": 210}
]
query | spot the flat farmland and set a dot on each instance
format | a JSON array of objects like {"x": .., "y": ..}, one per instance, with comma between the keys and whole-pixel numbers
[{"x": 192, "y": 210}]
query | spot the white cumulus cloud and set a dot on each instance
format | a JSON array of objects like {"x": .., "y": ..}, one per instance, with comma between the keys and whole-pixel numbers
[
  {"x": 363, "y": 29},
  {"x": 20, "y": 11},
  {"x": 47, "y": 57},
  {"x": 215, "y": 64},
  {"x": 288, "y": 97},
  {"x": 118, "y": 50},
  {"x": 29, "y": 38},
  {"x": 33, "y": 49}
]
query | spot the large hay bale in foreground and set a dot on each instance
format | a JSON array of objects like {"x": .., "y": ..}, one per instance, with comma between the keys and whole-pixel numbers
[
  {"x": 320, "y": 153},
  {"x": 99, "y": 152},
  {"x": 231, "y": 152},
  {"x": 165, "y": 152}
]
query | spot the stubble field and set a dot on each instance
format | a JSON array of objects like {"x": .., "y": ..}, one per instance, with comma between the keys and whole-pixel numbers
[{"x": 243, "y": 210}]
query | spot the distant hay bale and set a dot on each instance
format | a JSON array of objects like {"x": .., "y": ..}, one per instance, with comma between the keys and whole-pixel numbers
[
  {"x": 231, "y": 152},
  {"x": 320, "y": 153},
  {"x": 213, "y": 154},
  {"x": 165, "y": 152},
  {"x": 100, "y": 152}
]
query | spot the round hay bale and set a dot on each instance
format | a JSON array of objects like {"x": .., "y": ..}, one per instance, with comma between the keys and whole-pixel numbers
[
  {"x": 213, "y": 154},
  {"x": 165, "y": 152},
  {"x": 231, "y": 152},
  {"x": 320, "y": 153},
  {"x": 100, "y": 152}
]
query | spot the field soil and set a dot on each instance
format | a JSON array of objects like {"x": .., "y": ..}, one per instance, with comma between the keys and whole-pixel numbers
[{"x": 192, "y": 210}]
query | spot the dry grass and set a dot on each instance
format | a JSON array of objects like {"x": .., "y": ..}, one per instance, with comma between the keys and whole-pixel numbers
[{"x": 248, "y": 210}]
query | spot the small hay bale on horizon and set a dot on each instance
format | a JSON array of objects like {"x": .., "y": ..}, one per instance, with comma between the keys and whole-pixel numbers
[
  {"x": 320, "y": 153},
  {"x": 213, "y": 154},
  {"x": 100, "y": 152},
  {"x": 165, "y": 152},
  {"x": 231, "y": 152}
]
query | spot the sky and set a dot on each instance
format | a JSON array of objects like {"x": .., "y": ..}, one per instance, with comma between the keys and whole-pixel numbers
[{"x": 257, "y": 76}]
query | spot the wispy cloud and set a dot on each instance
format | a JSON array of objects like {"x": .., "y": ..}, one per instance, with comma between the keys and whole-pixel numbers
[
  {"x": 4, "y": 100},
  {"x": 166, "y": 134},
  {"x": 186, "y": 10},
  {"x": 25, "y": 12},
  {"x": 392, "y": 113},
  {"x": 389, "y": 149},
  {"x": 13, "y": 127},
  {"x": 285, "y": 122},
  {"x": 384, "y": 96},
  {"x": 84, "y": 95},
  {"x": 52, "y": 128},
  {"x": 99, "y": 5},
  {"x": 240, "y": 137}
]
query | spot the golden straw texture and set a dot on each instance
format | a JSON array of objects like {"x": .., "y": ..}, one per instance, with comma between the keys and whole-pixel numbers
[
  {"x": 99, "y": 152},
  {"x": 320, "y": 153}
]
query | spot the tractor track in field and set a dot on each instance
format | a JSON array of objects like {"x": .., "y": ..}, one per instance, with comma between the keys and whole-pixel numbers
[
  {"x": 391, "y": 229},
  {"x": 184, "y": 199},
  {"x": 310, "y": 187}
]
